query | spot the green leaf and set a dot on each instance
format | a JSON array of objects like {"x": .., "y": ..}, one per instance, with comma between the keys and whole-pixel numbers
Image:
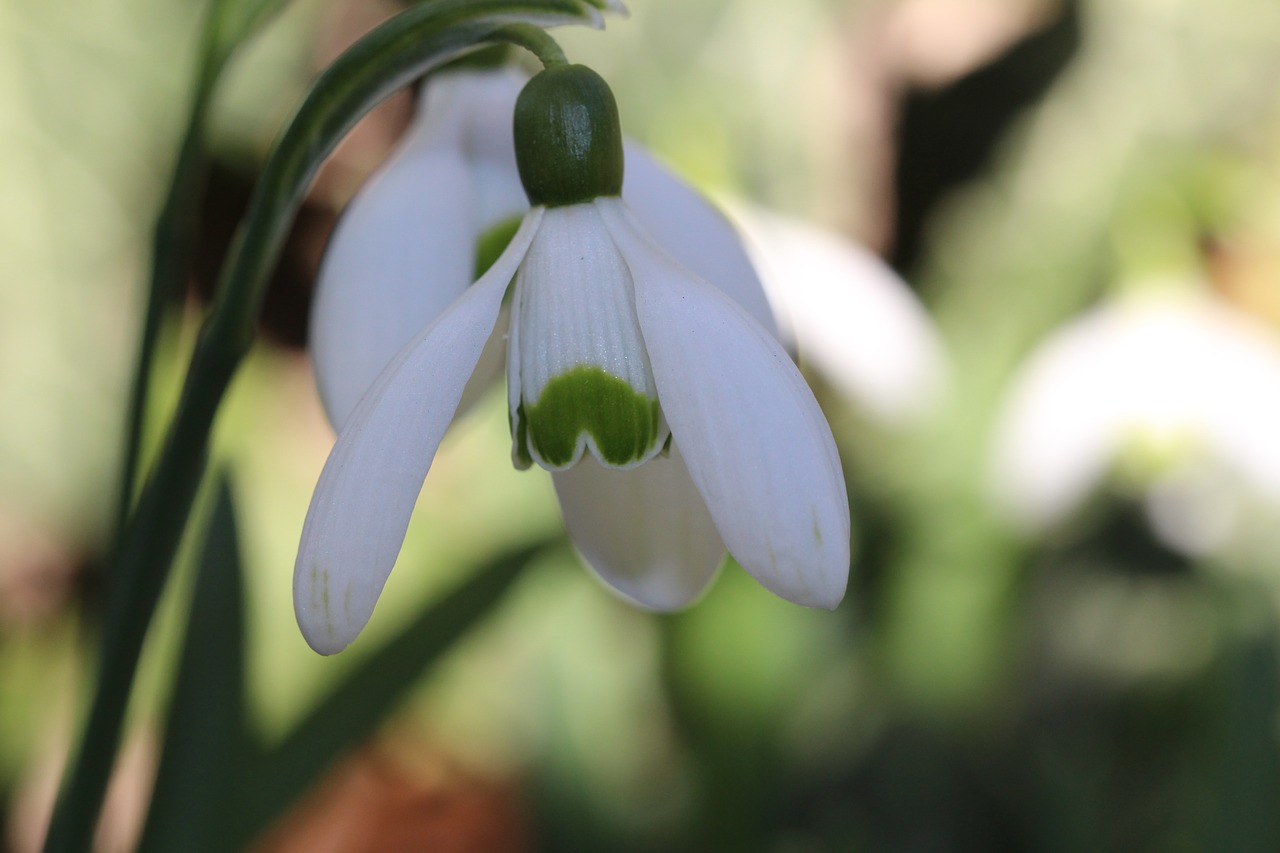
[
  {"x": 205, "y": 736},
  {"x": 357, "y": 706}
]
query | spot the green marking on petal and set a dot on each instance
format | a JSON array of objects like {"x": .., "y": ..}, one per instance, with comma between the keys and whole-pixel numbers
[
  {"x": 623, "y": 423},
  {"x": 493, "y": 242},
  {"x": 328, "y": 613}
]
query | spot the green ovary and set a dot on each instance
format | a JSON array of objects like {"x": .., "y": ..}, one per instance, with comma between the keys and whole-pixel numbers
[{"x": 623, "y": 423}]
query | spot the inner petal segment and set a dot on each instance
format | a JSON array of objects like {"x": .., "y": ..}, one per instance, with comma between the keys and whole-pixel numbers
[
  {"x": 620, "y": 425},
  {"x": 580, "y": 375}
]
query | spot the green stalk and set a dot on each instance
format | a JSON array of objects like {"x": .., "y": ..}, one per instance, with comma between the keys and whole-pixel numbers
[{"x": 406, "y": 47}]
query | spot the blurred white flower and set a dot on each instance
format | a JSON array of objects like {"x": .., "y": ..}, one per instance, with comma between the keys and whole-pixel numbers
[
  {"x": 674, "y": 423},
  {"x": 1179, "y": 383},
  {"x": 850, "y": 315}
]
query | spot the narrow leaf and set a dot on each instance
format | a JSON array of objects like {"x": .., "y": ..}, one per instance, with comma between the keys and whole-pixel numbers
[
  {"x": 357, "y": 706},
  {"x": 205, "y": 735}
]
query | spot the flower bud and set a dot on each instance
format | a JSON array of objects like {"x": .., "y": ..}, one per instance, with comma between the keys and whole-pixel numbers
[{"x": 568, "y": 138}]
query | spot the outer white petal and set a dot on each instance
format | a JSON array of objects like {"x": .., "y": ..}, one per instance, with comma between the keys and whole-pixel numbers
[
  {"x": 646, "y": 531},
  {"x": 399, "y": 255},
  {"x": 757, "y": 445},
  {"x": 853, "y": 318},
  {"x": 366, "y": 492},
  {"x": 689, "y": 228}
]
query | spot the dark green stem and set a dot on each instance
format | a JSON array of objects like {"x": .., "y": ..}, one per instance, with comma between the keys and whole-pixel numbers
[
  {"x": 408, "y": 46},
  {"x": 536, "y": 41}
]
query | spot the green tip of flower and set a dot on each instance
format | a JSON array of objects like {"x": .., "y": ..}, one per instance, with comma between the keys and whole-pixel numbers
[{"x": 568, "y": 137}]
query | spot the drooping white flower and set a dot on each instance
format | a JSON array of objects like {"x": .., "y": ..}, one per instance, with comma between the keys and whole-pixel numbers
[
  {"x": 1180, "y": 377},
  {"x": 674, "y": 423}
]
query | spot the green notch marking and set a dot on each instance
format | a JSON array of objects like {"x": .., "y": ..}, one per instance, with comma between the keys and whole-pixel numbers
[{"x": 622, "y": 421}]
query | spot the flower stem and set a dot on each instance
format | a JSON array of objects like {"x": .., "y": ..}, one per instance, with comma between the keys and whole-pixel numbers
[{"x": 537, "y": 42}]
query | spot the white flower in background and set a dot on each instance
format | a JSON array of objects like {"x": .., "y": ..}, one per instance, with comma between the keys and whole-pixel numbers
[
  {"x": 850, "y": 315},
  {"x": 673, "y": 422},
  {"x": 1183, "y": 379}
]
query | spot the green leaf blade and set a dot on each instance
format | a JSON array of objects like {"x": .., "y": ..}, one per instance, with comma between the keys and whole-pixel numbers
[
  {"x": 358, "y": 705},
  {"x": 206, "y": 732}
]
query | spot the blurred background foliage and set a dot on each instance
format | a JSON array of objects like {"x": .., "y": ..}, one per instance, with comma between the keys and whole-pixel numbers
[{"x": 1088, "y": 685}]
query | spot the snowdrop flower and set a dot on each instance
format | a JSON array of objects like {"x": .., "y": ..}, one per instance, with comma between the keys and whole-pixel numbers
[
  {"x": 1184, "y": 379},
  {"x": 673, "y": 422}
]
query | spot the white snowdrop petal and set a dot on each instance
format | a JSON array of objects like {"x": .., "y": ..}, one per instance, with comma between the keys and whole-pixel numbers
[
  {"x": 684, "y": 224},
  {"x": 399, "y": 255},
  {"x": 576, "y": 303},
  {"x": 579, "y": 373},
  {"x": 646, "y": 532},
  {"x": 362, "y": 503},
  {"x": 853, "y": 318},
  {"x": 491, "y": 366},
  {"x": 756, "y": 444}
]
